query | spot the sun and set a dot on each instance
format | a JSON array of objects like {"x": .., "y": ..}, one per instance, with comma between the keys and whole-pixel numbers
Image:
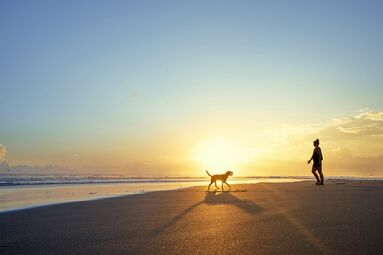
[{"x": 221, "y": 154}]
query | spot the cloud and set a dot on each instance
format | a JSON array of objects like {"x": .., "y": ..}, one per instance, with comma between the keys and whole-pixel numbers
[
  {"x": 3, "y": 164},
  {"x": 364, "y": 129},
  {"x": 343, "y": 162},
  {"x": 2, "y": 152},
  {"x": 352, "y": 145},
  {"x": 42, "y": 169},
  {"x": 365, "y": 124},
  {"x": 4, "y": 167},
  {"x": 375, "y": 116}
]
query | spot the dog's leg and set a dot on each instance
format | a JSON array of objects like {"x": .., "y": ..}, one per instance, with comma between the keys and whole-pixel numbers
[
  {"x": 215, "y": 183},
  {"x": 228, "y": 185},
  {"x": 222, "y": 187},
  {"x": 208, "y": 188}
]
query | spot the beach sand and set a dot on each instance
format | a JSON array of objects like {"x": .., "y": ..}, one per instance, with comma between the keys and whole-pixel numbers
[{"x": 276, "y": 218}]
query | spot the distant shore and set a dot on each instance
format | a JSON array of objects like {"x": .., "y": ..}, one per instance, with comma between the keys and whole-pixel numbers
[{"x": 341, "y": 217}]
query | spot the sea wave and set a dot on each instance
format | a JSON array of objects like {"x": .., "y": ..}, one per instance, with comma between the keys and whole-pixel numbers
[
  {"x": 17, "y": 180},
  {"x": 44, "y": 180}
]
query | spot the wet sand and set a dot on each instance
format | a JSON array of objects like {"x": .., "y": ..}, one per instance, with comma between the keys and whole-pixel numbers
[{"x": 279, "y": 218}]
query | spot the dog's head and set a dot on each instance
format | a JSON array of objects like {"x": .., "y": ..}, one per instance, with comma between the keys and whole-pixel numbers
[{"x": 229, "y": 173}]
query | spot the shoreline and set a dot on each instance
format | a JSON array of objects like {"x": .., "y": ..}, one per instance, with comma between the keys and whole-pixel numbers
[{"x": 69, "y": 202}]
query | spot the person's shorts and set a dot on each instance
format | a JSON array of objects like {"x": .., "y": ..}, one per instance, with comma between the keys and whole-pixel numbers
[{"x": 316, "y": 168}]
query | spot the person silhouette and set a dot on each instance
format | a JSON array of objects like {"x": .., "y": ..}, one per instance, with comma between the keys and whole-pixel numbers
[{"x": 317, "y": 157}]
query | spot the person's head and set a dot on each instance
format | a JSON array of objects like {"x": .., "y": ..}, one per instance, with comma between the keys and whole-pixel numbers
[{"x": 316, "y": 143}]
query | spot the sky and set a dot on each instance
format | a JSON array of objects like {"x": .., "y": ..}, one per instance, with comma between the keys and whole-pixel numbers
[{"x": 176, "y": 87}]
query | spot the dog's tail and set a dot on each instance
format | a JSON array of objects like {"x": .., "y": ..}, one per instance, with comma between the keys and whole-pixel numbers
[{"x": 208, "y": 173}]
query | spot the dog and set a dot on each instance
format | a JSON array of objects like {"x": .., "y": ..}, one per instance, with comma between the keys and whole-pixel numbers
[{"x": 219, "y": 177}]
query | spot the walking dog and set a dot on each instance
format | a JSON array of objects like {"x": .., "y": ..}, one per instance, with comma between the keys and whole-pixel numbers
[{"x": 219, "y": 177}]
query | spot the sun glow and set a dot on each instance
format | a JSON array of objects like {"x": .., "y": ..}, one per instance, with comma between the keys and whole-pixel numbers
[{"x": 221, "y": 154}]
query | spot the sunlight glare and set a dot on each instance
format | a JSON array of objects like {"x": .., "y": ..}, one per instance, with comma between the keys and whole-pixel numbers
[{"x": 221, "y": 154}]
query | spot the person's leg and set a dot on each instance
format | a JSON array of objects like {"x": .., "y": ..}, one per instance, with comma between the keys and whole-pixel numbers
[
  {"x": 316, "y": 175},
  {"x": 321, "y": 175}
]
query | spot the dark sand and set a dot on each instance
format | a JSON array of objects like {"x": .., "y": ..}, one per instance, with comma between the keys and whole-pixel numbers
[{"x": 288, "y": 218}]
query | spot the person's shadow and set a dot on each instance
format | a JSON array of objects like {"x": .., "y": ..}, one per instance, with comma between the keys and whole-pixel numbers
[{"x": 214, "y": 198}]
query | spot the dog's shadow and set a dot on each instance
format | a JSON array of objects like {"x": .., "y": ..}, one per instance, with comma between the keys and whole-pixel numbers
[
  {"x": 213, "y": 198},
  {"x": 216, "y": 198}
]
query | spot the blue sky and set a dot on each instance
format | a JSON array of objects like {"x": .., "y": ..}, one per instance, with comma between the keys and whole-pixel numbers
[{"x": 86, "y": 76}]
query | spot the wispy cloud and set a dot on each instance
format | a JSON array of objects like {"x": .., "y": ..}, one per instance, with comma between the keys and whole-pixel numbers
[
  {"x": 3, "y": 164},
  {"x": 364, "y": 124},
  {"x": 352, "y": 145},
  {"x": 361, "y": 128},
  {"x": 2, "y": 152}
]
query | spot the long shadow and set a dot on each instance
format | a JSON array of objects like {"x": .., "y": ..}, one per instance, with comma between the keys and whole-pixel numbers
[
  {"x": 216, "y": 198},
  {"x": 213, "y": 198},
  {"x": 174, "y": 220}
]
